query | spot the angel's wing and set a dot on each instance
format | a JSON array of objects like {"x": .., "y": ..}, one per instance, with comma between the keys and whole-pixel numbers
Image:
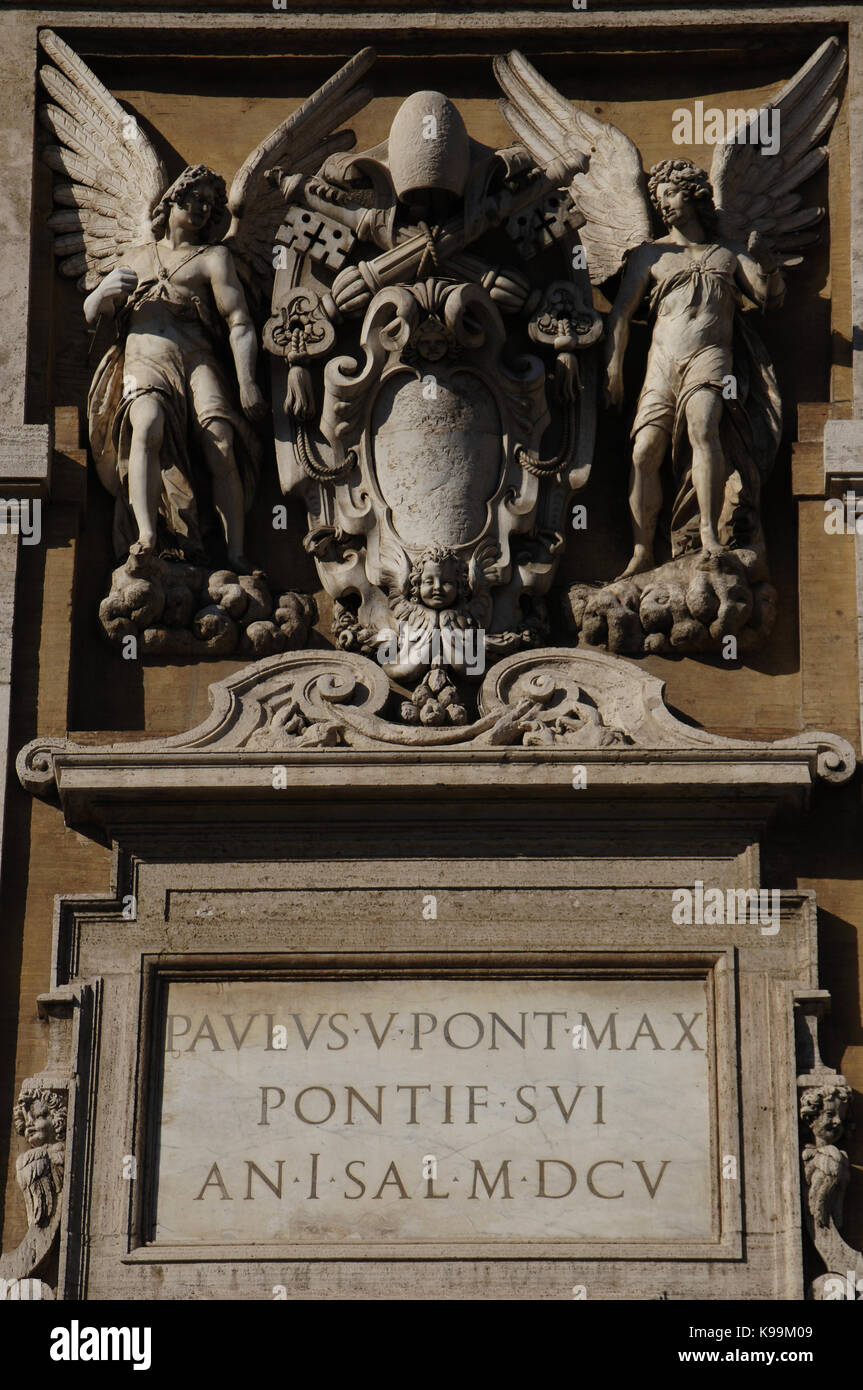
[
  {"x": 299, "y": 145},
  {"x": 482, "y": 570},
  {"x": 393, "y": 565},
  {"x": 115, "y": 178},
  {"x": 612, "y": 194},
  {"x": 36, "y": 1178},
  {"x": 756, "y": 191}
]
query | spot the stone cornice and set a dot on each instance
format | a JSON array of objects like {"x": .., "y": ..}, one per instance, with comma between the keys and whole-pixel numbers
[{"x": 312, "y": 726}]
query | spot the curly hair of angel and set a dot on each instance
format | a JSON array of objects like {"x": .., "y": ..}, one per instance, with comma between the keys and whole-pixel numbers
[
  {"x": 438, "y": 555},
  {"x": 813, "y": 1100},
  {"x": 693, "y": 182},
  {"x": 192, "y": 176},
  {"x": 55, "y": 1100}
]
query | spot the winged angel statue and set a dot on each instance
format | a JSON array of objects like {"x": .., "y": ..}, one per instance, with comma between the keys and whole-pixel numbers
[
  {"x": 710, "y": 393},
  {"x": 432, "y": 344},
  {"x": 175, "y": 399}
]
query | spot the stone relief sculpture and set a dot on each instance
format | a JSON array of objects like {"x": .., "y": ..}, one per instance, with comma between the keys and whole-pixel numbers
[
  {"x": 825, "y": 1166},
  {"x": 40, "y": 1117},
  {"x": 176, "y": 397},
  {"x": 555, "y": 700},
  {"x": 825, "y": 1112},
  {"x": 167, "y": 364},
  {"x": 710, "y": 394},
  {"x": 427, "y": 329},
  {"x": 695, "y": 297},
  {"x": 434, "y": 352},
  {"x": 824, "y": 1104},
  {"x": 434, "y": 355}
]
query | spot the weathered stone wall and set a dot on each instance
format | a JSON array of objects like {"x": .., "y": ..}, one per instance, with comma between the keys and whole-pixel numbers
[{"x": 211, "y": 101}]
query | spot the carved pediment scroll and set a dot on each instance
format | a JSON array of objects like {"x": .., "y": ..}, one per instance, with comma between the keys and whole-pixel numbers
[{"x": 338, "y": 708}]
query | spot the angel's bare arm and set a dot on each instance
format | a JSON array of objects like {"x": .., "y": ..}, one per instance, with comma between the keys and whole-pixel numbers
[
  {"x": 633, "y": 288},
  {"x": 231, "y": 304},
  {"x": 761, "y": 280},
  {"x": 113, "y": 290}
]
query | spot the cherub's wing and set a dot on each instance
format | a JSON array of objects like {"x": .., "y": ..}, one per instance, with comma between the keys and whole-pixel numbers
[
  {"x": 299, "y": 145},
  {"x": 115, "y": 178},
  {"x": 612, "y": 194},
  {"x": 37, "y": 1183},
  {"x": 393, "y": 566},
  {"x": 825, "y": 1170},
  {"x": 482, "y": 570},
  {"x": 757, "y": 192},
  {"x": 58, "y": 1165}
]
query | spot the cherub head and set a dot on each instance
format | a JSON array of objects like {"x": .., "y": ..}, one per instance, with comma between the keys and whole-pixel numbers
[
  {"x": 40, "y": 1114},
  {"x": 678, "y": 187},
  {"x": 439, "y": 579},
  {"x": 200, "y": 198},
  {"x": 824, "y": 1109},
  {"x": 432, "y": 339}
]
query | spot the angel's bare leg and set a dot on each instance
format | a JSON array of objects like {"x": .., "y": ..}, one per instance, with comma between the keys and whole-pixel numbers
[
  {"x": 145, "y": 479},
  {"x": 218, "y": 445},
  {"x": 645, "y": 495},
  {"x": 703, "y": 418}
]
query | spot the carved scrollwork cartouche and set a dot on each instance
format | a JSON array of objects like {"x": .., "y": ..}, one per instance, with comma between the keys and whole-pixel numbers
[
  {"x": 423, "y": 434},
  {"x": 550, "y": 698}
]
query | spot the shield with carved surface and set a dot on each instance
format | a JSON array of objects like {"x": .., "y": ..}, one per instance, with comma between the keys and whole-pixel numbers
[
  {"x": 434, "y": 397},
  {"x": 437, "y": 456}
]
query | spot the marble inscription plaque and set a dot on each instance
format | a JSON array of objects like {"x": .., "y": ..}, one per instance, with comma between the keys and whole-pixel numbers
[{"x": 307, "y": 1112}]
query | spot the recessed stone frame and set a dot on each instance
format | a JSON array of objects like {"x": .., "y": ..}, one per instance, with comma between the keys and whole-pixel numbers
[{"x": 716, "y": 968}]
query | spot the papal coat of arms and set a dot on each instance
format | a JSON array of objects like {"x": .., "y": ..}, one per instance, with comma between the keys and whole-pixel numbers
[{"x": 436, "y": 364}]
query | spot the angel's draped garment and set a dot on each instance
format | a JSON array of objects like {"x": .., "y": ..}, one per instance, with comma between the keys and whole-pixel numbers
[
  {"x": 171, "y": 344},
  {"x": 700, "y": 340}
]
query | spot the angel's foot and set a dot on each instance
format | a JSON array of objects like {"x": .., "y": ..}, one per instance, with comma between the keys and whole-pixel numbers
[
  {"x": 711, "y": 549},
  {"x": 642, "y": 561},
  {"x": 143, "y": 555},
  {"x": 144, "y": 545}
]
